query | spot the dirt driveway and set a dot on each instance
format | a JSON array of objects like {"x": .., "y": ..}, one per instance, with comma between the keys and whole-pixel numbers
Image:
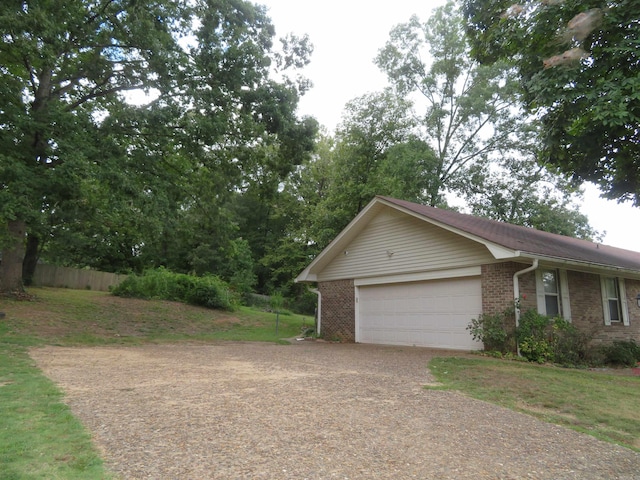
[{"x": 306, "y": 411}]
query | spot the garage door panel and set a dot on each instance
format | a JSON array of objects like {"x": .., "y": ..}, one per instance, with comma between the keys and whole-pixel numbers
[{"x": 434, "y": 313}]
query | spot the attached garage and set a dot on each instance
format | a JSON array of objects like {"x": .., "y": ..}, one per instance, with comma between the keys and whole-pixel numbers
[
  {"x": 407, "y": 274},
  {"x": 428, "y": 314}
]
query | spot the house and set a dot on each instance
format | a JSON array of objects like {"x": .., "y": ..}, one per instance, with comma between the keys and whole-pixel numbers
[{"x": 407, "y": 274}]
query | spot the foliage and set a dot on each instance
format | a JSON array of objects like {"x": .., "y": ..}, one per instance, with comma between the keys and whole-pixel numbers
[
  {"x": 276, "y": 302},
  {"x": 523, "y": 193},
  {"x": 543, "y": 339},
  {"x": 539, "y": 338},
  {"x": 619, "y": 352},
  {"x": 578, "y": 65},
  {"x": 594, "y": 403},
  {"x": 534, "y": 337},
  {"x": 484, "y": 146},
  {"x": 468, "y": 112},
  {"x": 571, "y": 347},
  {"x": 207, "y": 291},
  {"x": 491, "y": 331},
  {"x": 123, "y": 186}
]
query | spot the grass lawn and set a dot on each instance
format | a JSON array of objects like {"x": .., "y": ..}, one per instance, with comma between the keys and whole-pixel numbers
[
  {"x": 603, "y": 404},
  {"x": 39, "y": 437}
]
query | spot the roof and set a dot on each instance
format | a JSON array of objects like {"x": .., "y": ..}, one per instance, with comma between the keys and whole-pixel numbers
[
  {"x": 526, "y": 240},
  {"x": 504, "y": 240}
]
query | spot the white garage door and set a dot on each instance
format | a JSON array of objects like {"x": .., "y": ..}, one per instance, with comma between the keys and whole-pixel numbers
[{"x": 427, "y": 314}]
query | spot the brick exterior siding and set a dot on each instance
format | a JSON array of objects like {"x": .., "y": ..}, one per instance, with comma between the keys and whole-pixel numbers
[
  {"x": 587, "y": 313},
  {"x": 338, "y": 310},
  {"x": 338, "y": 303},
  {"x": 497, "y": 287},
  {"x": 584, "y": 296}
]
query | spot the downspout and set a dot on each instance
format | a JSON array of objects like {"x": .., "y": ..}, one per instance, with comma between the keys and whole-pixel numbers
[
  {"x": 516, "y": 294},
  {"x": 319, "y": 311}
]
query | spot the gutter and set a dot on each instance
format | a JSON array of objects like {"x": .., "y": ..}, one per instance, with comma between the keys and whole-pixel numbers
[
  {"x": 319, "y": 311},
  {"x": 516, "y": 294},
  {"x": 581, "y": 265}
]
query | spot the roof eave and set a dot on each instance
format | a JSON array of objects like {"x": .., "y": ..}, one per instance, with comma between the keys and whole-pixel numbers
[{"x": 583, "y": 265}]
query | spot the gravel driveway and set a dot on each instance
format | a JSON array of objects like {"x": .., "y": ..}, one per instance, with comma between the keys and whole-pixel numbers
[{"x": 306, "y": 411}]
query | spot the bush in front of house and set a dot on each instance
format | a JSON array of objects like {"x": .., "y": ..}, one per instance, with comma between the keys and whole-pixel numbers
[
  {"x": 621, "y": 353},
  {"x": 534, "y": 337},
  {"x": 552, "y": 339},
  {"x": 540, "y": 338},
  {"x": 570, "y": 345},
  {"x": 207, "y": 291},
  {"x": 491, "y": 331}
]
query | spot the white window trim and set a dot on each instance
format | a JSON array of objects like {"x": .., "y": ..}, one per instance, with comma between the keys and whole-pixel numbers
[
  {"x": 624, "y": 310},
  {"x": 564, "y": 300},
  {"x": 564, "y": 294}
]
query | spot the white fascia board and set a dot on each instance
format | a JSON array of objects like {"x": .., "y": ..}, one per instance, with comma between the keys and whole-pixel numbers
[
  {"x": 499, "y": 252},
  {"x": 305, "y": 276},
  {"x": 582, "y": 266}
]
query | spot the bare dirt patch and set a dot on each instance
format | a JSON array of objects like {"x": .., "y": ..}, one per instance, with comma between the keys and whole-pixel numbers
[{"x": 308, "y": 410}]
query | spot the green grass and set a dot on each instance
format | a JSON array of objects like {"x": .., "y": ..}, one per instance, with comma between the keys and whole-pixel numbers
[
  {"x": 605, "y": 405},
  {"x": 39, "y": 437}
]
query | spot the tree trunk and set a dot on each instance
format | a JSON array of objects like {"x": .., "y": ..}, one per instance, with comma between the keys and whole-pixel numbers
[
  {"x": 12, "y": 257},
  {"x": 30, "y": 259}
]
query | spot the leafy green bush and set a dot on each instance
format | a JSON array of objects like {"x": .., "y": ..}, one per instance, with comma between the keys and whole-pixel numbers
[
  {"x": 534, "y": 337},
  {"x": 570, "y": 345},
  {"x": 491, "y": 331},
  {"x": 207, "y": 291},
  {"x": 623, "y": 353},
  {"x": 543, "y": 339}
]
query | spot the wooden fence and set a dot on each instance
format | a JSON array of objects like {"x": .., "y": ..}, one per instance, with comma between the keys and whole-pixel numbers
[{"x": 65, "y": 277}]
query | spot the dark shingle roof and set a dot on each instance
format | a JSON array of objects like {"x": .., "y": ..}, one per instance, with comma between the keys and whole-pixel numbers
[{"x": 527, "y": 240}]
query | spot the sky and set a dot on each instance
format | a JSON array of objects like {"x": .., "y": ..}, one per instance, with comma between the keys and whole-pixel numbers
[{"x": 347, "y": 35}]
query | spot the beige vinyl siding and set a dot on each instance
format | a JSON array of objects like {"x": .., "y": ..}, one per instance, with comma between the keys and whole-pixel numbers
[{"x": 396, "y": 243}]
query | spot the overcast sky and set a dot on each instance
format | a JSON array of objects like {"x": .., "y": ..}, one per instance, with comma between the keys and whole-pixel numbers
[{"x": 347, "y": 35}]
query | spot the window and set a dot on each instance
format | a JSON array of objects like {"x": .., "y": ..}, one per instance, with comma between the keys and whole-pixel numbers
[
  {"x": 614, "y": 302},
  {"x": 552, "y": 290}
]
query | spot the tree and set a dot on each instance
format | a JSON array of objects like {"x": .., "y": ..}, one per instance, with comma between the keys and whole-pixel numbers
[
  {"x": 524, "y": 193},
  {"x": 468, "y": 113},
  {"x": 579, "y": 68},
  {"x": 64, "y": 69}
]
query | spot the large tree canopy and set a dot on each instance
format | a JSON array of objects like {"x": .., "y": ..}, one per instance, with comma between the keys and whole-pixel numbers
[
  {"x": 579, "y": 65},
  {"x": 468, "y": 112},
  {"x": 72, "y": 149}
]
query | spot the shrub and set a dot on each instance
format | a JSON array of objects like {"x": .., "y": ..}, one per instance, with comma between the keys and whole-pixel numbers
[
  {"x": 544, "y": 339},
  {"x": 534, "y": 337},
  {"x": 570, "y": 345},
  {"x": 208, "y": 291},
  {"x": 623, "y": 353},
  {"x": 491, "y": 331}
]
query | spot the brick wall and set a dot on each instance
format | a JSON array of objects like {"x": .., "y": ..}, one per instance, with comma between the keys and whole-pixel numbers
[
  {"x": 587, "y": 313},
  {"x": 633, "y": 330},
  {"x": 497, "y": 290},
  {"x": 584, "y": 295},
  {"x": 338, "y": 303},
  {"x": 338, "y": 310}
]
